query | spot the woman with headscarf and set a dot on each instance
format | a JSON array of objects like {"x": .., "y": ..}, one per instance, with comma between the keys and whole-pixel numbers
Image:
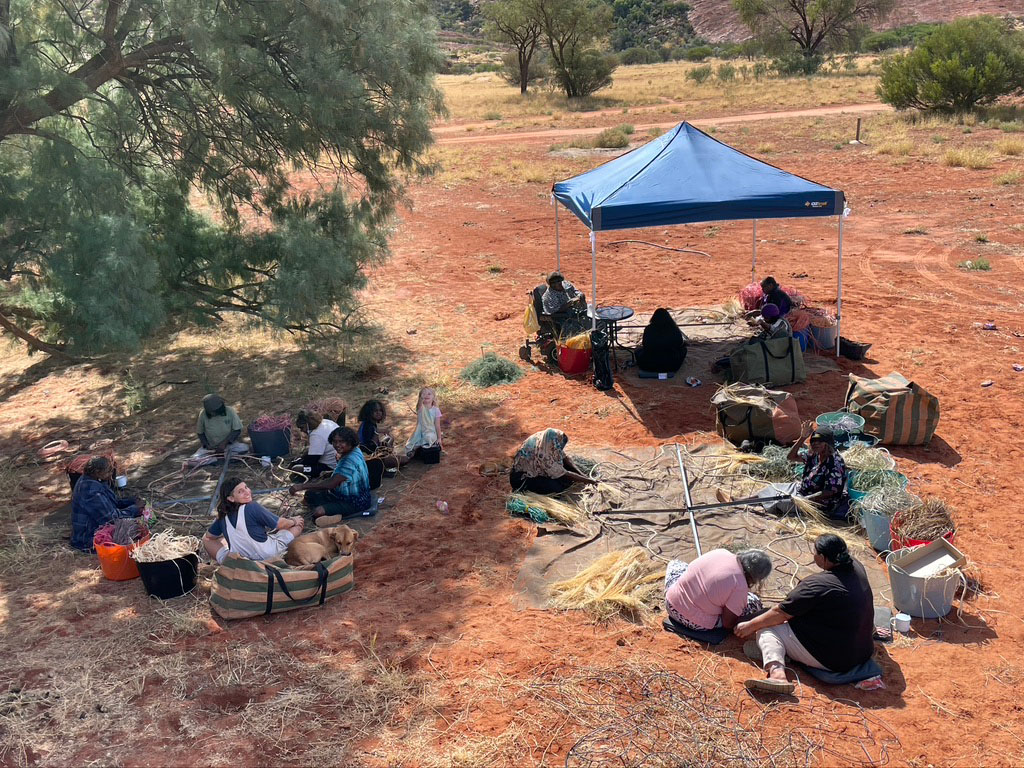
[
  {"x": 663, "y": 348},
  {"x": 823, "y": 482},
  {"x": 541, "y": 466},
  {"x": 825, "y": 622},
  {"x": 773, "y": 326}
]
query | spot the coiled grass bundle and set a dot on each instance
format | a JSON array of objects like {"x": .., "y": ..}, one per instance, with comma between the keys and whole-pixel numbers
[
  {"x": 863, "y": 457},
  {"x": 874, "y": 479},
  {"x": 617, "y": 583},
  {"x": 165, "y": 546},
  {"x": 774, "y": 465},
  {"x": 551, "y": 507},
  {"x": 888, "y": 501}
]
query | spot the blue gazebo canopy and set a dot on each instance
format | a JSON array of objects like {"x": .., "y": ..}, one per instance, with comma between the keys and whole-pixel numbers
[{"x": 686, "y": 176}]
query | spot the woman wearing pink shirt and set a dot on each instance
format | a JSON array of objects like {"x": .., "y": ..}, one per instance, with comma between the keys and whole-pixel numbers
[{"x": 714, "y": 590}]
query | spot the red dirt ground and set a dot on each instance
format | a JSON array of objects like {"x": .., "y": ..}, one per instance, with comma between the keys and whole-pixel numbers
[{"x": 436, "y": 591}]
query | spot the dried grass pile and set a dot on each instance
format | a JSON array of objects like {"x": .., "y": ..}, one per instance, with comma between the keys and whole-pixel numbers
[
  {"x": 888, "y": 501},
  {"x": 619, "y": 583},
  {"x": 774, "y": 465},
  {"x": 165, "y": 545},
  {"x": 926, "y": 521},
  {"x": 491, "y": 370},
  {"x": 863, "y": 457},
  {"x": 329, "y": 407},
  {"x": 543, "y": 508}
]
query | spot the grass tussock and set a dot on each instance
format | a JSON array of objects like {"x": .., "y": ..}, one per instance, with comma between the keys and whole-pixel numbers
[
  {"x": 975, "y": 265},
  {"x": 968, "y": 157},
  {"x": 1010, "y": 147},
  {"x": 490, "y": 370},
  {"x": 896, "y": 148},
  {"x": 1008, "y": 178}
]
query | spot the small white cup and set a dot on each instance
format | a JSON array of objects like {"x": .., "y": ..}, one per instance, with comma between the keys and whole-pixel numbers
[
  {"x": 901, "y": 623},
  {"x": 121, "y": 481}
]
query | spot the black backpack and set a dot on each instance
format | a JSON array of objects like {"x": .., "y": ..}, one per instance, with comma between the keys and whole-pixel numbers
[{"x": 602, "y": 360}]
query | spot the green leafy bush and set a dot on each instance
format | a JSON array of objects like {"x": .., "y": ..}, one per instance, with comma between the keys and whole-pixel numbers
[
  {"x": 726, "y": 73},
  {"x": 795, "y": 63},
  {"x": 700, "y": 74},
  {"x": 901, "y": 37},
  {"x": 586, "y": 72},
  {"x": 639, "y": 55},
  {"x": 958, "y": 67},
  {"x": 491, "y": 370},
  {"x": 699, "y": 53}
]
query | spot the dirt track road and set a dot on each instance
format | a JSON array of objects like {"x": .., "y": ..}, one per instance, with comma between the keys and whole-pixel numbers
[{"x": 444, "y": 136}]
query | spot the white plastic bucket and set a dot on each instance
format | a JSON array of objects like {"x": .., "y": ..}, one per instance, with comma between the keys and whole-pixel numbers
[
  {"x": 930, "y": 598},
  {"x": 877, "y": 528}
]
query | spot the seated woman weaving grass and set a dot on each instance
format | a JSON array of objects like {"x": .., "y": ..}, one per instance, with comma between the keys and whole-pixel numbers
[
  {"x": 713, "y": 590},
  {"x": 320, "y": 455},
  {"x": 541, "y": 466},
  {"x": 345, "y": 493},
  {"x": 823, "y": 482},
  {"x": 825, "y": 622},
  {"x": 772, "y": 324},
  {"x": 374, "y": 438},
  {"x": 249, "y": 529},
  {"x": 93, "y": 503}
]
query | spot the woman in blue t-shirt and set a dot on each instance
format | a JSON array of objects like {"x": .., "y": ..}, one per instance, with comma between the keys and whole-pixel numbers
[
  {"x": 347, "y": 491},
  {"x": 250, "y": 530}
]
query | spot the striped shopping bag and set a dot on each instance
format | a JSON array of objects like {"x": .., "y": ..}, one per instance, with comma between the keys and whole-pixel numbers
[
  {"x": 243, "y": 588},
  {"x": 895, "y": 410}
]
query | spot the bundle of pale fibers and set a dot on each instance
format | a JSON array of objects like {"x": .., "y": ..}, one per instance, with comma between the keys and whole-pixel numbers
[{"x": 616, "y": 583}]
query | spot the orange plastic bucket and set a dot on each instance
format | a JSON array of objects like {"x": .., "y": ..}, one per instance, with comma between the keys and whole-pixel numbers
[
  {"x": 116, "y": 562},
  {"x": 573, "y": 360}
]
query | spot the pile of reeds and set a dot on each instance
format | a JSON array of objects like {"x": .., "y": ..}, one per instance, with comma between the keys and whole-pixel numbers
[
  {"x": 773, "y": 465},
  {"x": 863, "y": 457},
  {"x": 576, "y": 341},
  {"x": 925, "y": 521},
  {"x": 552, "y": 507},
  {"x": 742, "y": 394},
  {"x": 876, "y": 479},
  {"x": 617, "y": 583},
  {"x": 888, "y": 501}
]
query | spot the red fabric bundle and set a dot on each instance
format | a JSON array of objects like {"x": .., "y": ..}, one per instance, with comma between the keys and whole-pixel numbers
[{"x": 750, "y": 297}]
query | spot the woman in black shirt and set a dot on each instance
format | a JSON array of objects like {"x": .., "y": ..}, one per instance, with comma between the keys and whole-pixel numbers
[{"x": 663, "y": 349}]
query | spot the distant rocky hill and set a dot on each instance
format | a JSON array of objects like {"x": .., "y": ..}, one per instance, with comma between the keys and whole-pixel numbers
[{"x": 716, "y": 21}]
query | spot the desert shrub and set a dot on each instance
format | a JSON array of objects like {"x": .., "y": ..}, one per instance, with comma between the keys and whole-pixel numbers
[
  {"x": 794, "y": 64},
  {"x": 612, "y": 138},
  {"x": 492, "y": 116},
  {"x": 491, "y": 370},
  {"x": 976, "y": 265},
  {"x": 959, "y": 66},
  {"x": 679, "y": 53},
  {"x": 627, "y": 129},
  {"x": 1010, "y": 177},
  {"x": 699, "y": 53},
  {"x": 900, "y": 37},
  {"x": 700, "y": 74},
  {"x": 639, "y": 55},
  {"x": 586, "y": 72},
  {"x": 726, "y": 73}
]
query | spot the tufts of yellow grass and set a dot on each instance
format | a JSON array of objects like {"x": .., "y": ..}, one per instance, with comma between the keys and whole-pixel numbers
[
  {"x": 968, "y": 157},
  {"x": 1010, "y": 147},
  {"x": 619, "y": 583},
  {"x": 896, "y": 147}
]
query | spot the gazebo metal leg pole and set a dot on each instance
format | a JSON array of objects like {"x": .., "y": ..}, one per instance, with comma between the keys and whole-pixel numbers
[
  {"x": 215, "y": 498},
  {"x": 593, "y": 280},
  {"x": 558, "y": 249},
  {"x": 839, "y": 287},
  {"x": 689, "y": 501},
  {"x": 753, "y": 264}
]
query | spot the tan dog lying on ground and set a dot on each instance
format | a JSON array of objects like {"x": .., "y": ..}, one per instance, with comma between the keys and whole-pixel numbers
[{"x": 320, "y": 545}]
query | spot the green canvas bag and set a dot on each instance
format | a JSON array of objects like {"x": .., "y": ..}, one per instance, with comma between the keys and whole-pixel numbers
[{"x": 775, "y": 362}]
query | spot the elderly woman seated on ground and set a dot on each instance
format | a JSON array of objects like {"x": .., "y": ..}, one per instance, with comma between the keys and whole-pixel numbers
[
  {"x": 541, "y": 466},
  {"x": 346, "y": 492},
  {"x": 825, "y": 622},
  {"x": 714, "y": 590},
  {"x": 93, "y": 502},
  {"x": 249, "y": 529},
  {"x": 823, "y": 482}
]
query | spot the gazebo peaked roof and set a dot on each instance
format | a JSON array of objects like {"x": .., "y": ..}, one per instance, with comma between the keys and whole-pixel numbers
[{"x": 687, "y": 176}]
